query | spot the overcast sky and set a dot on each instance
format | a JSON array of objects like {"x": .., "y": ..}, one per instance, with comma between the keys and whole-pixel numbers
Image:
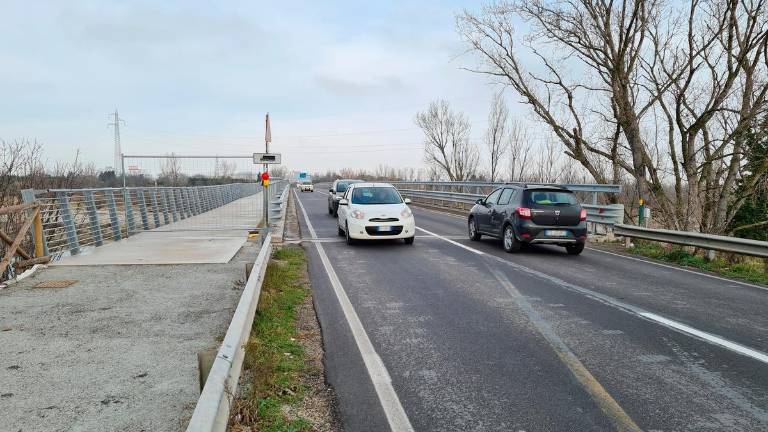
[{"x": 341, "y": 80}]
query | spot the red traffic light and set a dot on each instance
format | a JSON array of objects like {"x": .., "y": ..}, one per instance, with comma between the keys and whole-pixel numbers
[{"x": 265, "y": 176}]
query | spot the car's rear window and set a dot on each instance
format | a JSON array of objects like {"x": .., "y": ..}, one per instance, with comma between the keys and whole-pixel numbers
[
  {"x": 550, "y": 197},
  {"x": 375, "y": 195}
]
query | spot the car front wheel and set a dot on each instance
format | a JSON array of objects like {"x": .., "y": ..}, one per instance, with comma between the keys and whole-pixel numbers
[
  {"x": 350, "y": 240},
  {"x": 474, "y": 234},
  {"x": 574, "y": 249},
  {"x": 511, "y": 244},
  {"x": 409, "y": 240}
]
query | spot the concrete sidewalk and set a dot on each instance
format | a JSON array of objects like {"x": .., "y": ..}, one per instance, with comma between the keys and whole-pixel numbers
[
  {"x": 211, "y": 237},
  {"x": 117, "y": 350}
]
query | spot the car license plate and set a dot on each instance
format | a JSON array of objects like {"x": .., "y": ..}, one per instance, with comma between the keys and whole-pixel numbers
[
  {"x": 385, "y": 228},
  {"x": 555, "y": 233}
]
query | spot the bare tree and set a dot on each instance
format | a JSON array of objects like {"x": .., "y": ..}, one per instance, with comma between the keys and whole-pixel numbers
[
  {"x": 447, "y": 146},
  {"x": 663, "y": 95},
  {"x": 496, "y": 132},
  {"x": 171, "y": 174},
  {"x": 519, "y": 151}
]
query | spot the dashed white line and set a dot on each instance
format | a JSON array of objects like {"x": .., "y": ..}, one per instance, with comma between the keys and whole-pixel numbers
[
  {"x": 382, "y": 382},
  {"x": 669, "y": 323}
]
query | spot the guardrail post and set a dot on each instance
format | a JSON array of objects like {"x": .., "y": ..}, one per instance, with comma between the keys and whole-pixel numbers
[
  {"x": 93, "y": 218},
  {"x": 113, "y": 219},
  {"x": 130, "y": 225},
  {"x": 186, "y": 202},
  {"x": 143, "y": 209},
  {"x": 69, "y": 223},
  {"x": 196, "y": 200},
  {"x": 155, "y": 209}
]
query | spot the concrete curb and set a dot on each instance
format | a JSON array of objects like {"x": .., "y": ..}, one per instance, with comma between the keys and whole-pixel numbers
[{"x": 212, "y": 409}]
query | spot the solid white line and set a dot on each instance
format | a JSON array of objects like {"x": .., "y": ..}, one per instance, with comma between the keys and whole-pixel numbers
[
  {"x": 733, "y": 346},
  {"x": 680, "y": 269},
  {"x": 724, "y": 279},
  {"x": 382, "y": 382},
  {"x": 455, "y": 243},
  {"x": 708, "y": 337}
]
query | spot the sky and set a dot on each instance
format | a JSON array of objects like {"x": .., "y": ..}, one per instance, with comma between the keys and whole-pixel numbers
[{"x": 342, "y": 80}]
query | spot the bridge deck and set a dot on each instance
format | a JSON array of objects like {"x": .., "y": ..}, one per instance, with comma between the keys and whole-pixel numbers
[{"x": 211, "y": 237}]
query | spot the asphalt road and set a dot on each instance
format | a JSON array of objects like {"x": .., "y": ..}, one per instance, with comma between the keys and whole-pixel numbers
[{"x": 462, "y": 336}]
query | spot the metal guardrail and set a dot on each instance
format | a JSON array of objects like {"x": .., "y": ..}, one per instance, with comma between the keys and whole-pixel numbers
[
  {"x": 688, "y": 238},
  {"x": 213, "y": 407},
  {"x": 576, "y": 187},
  {"x": 599, "y": 214}
]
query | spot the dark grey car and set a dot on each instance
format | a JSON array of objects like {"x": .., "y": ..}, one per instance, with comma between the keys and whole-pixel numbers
[
  {"x": 336, "y": 192},
  {"x": 519, "y": 214}
]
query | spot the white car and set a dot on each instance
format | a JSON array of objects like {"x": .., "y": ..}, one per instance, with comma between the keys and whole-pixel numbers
[
  {"x": 306, "y": 187},
  {"x": 375, "y": 211}
]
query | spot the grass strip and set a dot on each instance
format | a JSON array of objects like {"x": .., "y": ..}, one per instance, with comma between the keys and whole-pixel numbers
[
  {"x": 274, "y": 358},
  {"x": 749, "y": 269}
]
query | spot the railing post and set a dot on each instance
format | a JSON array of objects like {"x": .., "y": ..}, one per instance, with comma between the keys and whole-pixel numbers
[
  {"x": 198, "y": 206},
  {"x": 169, "y": 198},
  {"x": 130, "y": 225},
  {"x": 41, "y": 246},
  {"x": 69, "y": 223},
  {"x": 179, "y": 202},
  {"x": 155, "y": 209},
  {"x": 113, "y": 220},
  {"x": 143, "y": 209},
  {"x": 93, "y": 218}
]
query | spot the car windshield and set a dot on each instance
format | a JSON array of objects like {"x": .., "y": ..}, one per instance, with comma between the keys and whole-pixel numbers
[
  {"x": 342, "y": 186},
  {"x": 548, "y": 197},
  {"x": 375, "y": 195}
]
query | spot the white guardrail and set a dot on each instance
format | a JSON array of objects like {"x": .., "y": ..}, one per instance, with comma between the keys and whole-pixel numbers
[
  {"x": 688, "y": 238},
  {"x": 212, "y": 410}
]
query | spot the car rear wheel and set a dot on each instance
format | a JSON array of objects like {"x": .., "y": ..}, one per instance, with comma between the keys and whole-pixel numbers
[
  {"x": 474, "y": 234},
  {"x": 330, "y": 210},
  {"x": 511, "y": 244},
  {"x": 350, "y": 240},
  {"x": 409, "y": 240},
  {"x": 574, "y": 249},
  {"x": 340, "y": 231}
]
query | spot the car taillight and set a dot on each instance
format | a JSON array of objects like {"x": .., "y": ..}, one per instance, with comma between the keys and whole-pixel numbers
[
  {"x": 583, "y": 214},
  {"x": 524, "y": 213}
]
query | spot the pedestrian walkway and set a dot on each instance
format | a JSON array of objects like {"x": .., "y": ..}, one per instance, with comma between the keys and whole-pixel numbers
[{"x": 193, "y": 240}]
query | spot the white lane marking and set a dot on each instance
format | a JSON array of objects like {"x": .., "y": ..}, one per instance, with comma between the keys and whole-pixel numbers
[
  {"x": 717, "y": 340},
  {"x": 681, "y": 328},
  {"x": 681, "y": 269},
  {"x": 382, "y": 382},
  {"x": 724, "y": 279},
  {"x": 455, "y": 243}
]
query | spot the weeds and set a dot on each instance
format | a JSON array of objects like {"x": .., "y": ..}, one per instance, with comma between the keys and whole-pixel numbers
[
  {"x": 274, "y": 359},
  {"x": 751, "y": 270}
]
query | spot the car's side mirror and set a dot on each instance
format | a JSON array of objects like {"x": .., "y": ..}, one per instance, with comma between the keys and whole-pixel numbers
[
  {"x": 343, "y": 202},
  {"x": 480, "y": 201},
  {"x": 331, "y": 190},
  {"x": 407, "y": 200}
]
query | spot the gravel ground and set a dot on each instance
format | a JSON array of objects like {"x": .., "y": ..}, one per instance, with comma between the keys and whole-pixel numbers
[{"x": 115, "y": 351}]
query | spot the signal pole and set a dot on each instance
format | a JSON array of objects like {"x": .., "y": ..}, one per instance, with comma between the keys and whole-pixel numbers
[{"x": 267, "y": 139}]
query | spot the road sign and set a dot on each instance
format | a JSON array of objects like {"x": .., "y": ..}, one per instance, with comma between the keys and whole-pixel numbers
[
  {"x": 266, "y": 158},
  {"x": 302, "y": 175},
  {"x": 265, "y": 176}
]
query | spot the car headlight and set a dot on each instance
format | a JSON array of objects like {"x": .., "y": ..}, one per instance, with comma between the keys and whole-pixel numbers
[
  {"x": 357, "y": 214},
  {"x": 406, "y": 213}
]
